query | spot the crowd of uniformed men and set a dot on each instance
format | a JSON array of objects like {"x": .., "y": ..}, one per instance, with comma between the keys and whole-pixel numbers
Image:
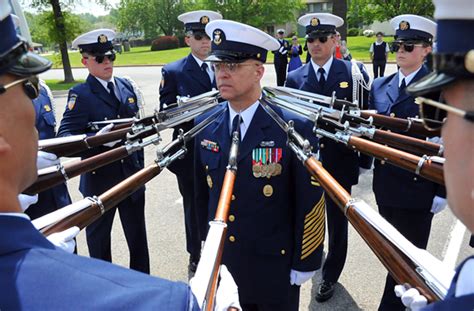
[{"x": 277, "y": 218}]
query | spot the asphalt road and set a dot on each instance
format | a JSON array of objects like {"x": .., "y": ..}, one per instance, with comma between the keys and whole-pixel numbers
[{"x": 361, "y": 283}]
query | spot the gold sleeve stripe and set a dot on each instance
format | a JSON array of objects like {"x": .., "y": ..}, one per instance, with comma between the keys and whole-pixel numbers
[
  {"x": 309, "y": 237},
  {"x": 315, "y": 208},
  {"x": 314, "y": 220},
  {"x": 314, "y": 229},
  {"x": 312, "y": 247}
]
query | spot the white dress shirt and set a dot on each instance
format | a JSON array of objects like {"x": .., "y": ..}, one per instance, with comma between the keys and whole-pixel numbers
[{"x": 246, "y": 115}]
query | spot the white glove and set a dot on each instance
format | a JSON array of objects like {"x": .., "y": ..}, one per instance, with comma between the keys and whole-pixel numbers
[
  {"x": 362, "y": 170},
  {"x": 46, "y": 159},
  {"x": 27, "y": 200},
  {"x": 439, "y": 204},
  {"x": 411, "y": 298},
  {"x": 106, "y": 129},
  {"x": 436, "y": 140},
  {"x": 65, "y": 239},
  {"x": 227, "y": 294},
  {"x": 299, "y": 277}
]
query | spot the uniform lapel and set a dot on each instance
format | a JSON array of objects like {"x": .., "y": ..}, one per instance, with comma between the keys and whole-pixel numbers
[
  {"x": 195, "y": 71},
  {"x": 221, "y": 132},
  {"x": 337, "y": 73},
  {"x": 392, "y": 89},
  {"x": 100, "y": 91},
  {"x": 255, "y": 133}
]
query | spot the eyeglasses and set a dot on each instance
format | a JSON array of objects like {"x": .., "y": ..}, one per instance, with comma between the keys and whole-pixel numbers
[
  {"x": 200, "y": 36},
  {"x": 321, "y": 39},
  {"x": 30, "y": 86},
  {"x": 228, "y": 67},
  {"x": 407, "y": 46},
  {"x": 100, "y": 58},
  {"x": 434, "y": 113}
]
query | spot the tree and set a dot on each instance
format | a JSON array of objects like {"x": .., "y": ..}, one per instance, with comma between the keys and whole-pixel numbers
[
  {"x": 150, "y": 17},
  {"x": 61, "y": 30},
  {"x": 369, "y": 11},
  {"x": 257, "y": 13},
  {"x": 339, "y": 8}
]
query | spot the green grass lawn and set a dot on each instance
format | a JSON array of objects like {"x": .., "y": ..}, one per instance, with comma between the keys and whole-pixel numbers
[
  {"x": 58, "y": 85},
  {"x": 358, "y": 46}
]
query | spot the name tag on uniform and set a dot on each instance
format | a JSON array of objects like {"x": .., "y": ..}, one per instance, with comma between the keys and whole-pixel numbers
[
  {"x": 209, "y": 145},
  {"x": 266, "y": 162}
]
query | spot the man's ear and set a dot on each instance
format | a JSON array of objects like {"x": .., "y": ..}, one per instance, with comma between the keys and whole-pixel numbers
[{"x": 4, "y": 146}]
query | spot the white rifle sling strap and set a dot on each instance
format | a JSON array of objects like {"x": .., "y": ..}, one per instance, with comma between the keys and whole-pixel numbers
[{"x": 140, "y": 97}]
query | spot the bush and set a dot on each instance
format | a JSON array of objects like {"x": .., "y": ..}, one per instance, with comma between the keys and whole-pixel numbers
[
  {"x": 165, "y": 43},
  {"x": 134, "y": 42},
  {"x": 353, "y": 32},
  {"x": 368, "y": 32}
]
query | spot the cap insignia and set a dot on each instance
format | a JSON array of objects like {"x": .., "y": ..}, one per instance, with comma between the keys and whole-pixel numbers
[
  {"x": 102, "y": 39},
  {"x": 404, "y": 25},
  {"x": 204, "y": 20},
  {"x": 469, "y": 61},
  {"x": 314, "y": 21},
  {"x": 218, "y": 36}
]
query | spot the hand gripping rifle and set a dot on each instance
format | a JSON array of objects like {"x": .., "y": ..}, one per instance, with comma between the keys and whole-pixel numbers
[
  {"x": 72, "y": 145},
  {"x": 406, "y": 263},
  {"x": 428, "y": 167},
  {"x": 86, "y": 211},
  {"x": 207, "y": 272},
  {"x": 411, "y": 126},
  {"x": 55, "y": 175}
]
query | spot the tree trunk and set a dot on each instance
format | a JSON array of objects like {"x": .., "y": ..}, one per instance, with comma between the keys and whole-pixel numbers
[
  {"x": 59, "y": 21},
  {"x": 339, "y": 8}
]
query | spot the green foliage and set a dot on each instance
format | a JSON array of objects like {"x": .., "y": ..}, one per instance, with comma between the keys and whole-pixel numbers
[
  {"x": 365, "y": 12},
  {"x": 150, "y": 17},
  {"x": 353, "y": 32},
  {"x": 258, "y": 13}
]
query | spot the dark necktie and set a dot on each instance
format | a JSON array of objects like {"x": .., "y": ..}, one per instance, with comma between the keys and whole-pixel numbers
[
  {"x": 111, "y": 88},
  {"x": 204, "y": 69},
  {"x": 235, "y": 126},
  {"x": 322, "y": 80},
  {"x": 402, "y": 87}
]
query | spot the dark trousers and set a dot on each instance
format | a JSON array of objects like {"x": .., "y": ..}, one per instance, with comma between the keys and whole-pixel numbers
[
  {"x": 337, "y": 230},
  {"x": 132, "y": 216},
  {"x": 193, "y": 240},
  {"x": 280, "y": 69},
  {"x": 292, "y": 304},
  {"x": 415, "y": 225},
  {"x": 379, "y": 66}
]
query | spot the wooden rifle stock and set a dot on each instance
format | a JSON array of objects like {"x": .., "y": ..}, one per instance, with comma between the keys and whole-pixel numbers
[
  {"x": 106, "y": 201},
  {"x": 422, "y": 166},
  {"x": 76, "y": 168},
  {"x": 406, "y": 143},
  {"x": 399, "y": 266},
  {"x": 222, "y": 214},
  {"x": 400, "y": 125},
  {"x": 70, "y": 149}
]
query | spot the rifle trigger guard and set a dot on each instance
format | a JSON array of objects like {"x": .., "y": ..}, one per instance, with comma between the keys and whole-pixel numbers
[
  {"x": 419, "y": 166},
  {"x": 99, "y": 203}
]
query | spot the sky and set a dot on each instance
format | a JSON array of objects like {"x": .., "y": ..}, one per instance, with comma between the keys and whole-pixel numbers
[{"x": 80, "y": 6}]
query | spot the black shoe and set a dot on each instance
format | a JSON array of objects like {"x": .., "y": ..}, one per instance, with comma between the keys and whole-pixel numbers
[{"x": 325, "y": 291}]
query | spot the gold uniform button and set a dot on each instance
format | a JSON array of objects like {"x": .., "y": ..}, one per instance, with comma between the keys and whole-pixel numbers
[
  {"x": 268, "y": 191},
  {"x": 233, "y": 197},
  {"x": 283, "y": 252},
  {"x": 392, "y": 114},
  {"x": 231, "y": 218},
  {"x": 232, "y": 238}
]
